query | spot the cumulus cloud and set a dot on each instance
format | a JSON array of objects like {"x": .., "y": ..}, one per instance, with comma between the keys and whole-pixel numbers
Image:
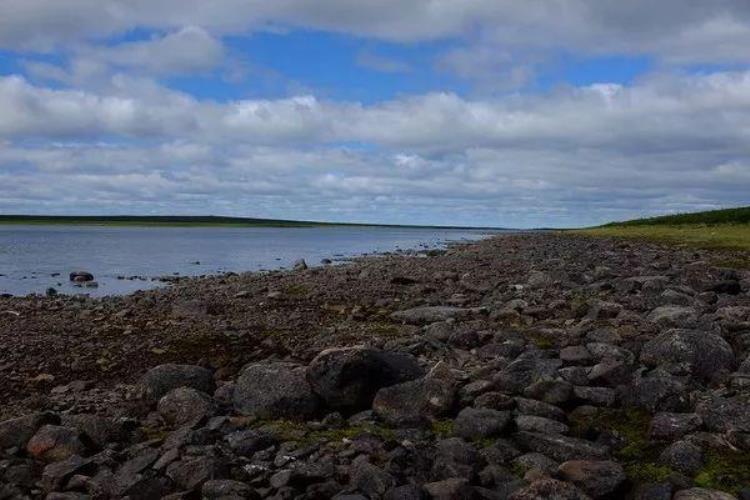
[
  {"x": 671, "y": 29},
  {"x": 669, "y": 142}
]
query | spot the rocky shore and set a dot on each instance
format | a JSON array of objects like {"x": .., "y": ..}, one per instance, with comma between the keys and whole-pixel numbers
[{"x": 528, "y": 366}]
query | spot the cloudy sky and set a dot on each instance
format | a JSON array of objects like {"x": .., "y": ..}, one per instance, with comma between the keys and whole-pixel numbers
[{"x": 476, "y": 112}]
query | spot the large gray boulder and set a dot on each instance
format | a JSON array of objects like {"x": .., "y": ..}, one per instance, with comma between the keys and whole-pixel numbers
[
  {"x": 161, "y": 379},
  {"x": 348, "y": 378},
  {"x": 16, "y": 432},
  {"x": 414, "y": 402},
  {"x": 697, "y": 352},
  {"x": 184, "y": 405},
  {"x": 275, "y": 390}
]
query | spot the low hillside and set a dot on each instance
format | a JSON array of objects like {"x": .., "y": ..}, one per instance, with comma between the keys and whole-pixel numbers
[{"x": 724, "y": 229}]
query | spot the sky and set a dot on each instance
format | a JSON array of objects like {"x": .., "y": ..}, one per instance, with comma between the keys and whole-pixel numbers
[{"x": 553, "y": 113}]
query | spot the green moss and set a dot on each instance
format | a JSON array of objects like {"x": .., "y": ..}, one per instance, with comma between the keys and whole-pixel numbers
[
  {"x": 636, "y": 450},
  {"x": 383, "y": 330},
  {"x": 296, "y": 290},
  {"x": 442, "y": 428},
  {"x": 726, "y": 471},
  {"x": 542, "y": 341},
  {"x": 648, "y": 472}
]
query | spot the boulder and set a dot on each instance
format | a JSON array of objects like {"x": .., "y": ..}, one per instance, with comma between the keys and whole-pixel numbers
[
  {"x": 682, "y": 456},
  {"x": 598, "y": 478},
  {"x": 81, "y": 276},
  {"x": 702, "y": 494},
  {"x": 348, "y": 378},
  {"x": 657, "y": 394},
  {"x": 414, "y": 402},
  {"x": 673, "y": 316},
  {"x": 547, "y": 488},
  {"x": 561, "y": 448},
  {"x": 521, "y": 373},
  {"x": 370, "y": 479},
  {"x": 161, "y": 379},
  {"x": 697, "y": 352},
  {"x": 541, "y": 425},
  {"x": 275, "y": 390},
  {"x": 670, "y": 426},
  {"x": 224, "y": 489},
  {"x": 53, "y": 443},
  {"x": 454, "y": 457},
  {"x": 722, "y": 414},
  {"x": 480, "y": 423},
  {"x": 454, "y": 488},
  {"x": 184, "y": 405},
  {"x": 190, "y": 473},
  {"x": 16, "y": 432}
]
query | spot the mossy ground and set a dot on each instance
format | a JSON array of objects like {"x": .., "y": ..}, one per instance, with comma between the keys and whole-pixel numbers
[
  {"x": 727, "y": 471},
  {"x": 287, "y": 430}
]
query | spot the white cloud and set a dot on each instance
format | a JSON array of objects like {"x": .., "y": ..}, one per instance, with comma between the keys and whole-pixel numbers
[
  {"x": 577, "y": 155},
  {"x": 377, "y": 62},
  {"x": 674, "y": 30}
]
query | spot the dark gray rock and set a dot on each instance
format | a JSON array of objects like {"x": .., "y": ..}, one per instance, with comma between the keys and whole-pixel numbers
[
  {"x": 561, "y": 448},
  {"x": 521, "y": 373},
  {"x": 670, "y": 426},
  {"x": 683, "y": 456},
  {"x": 699, "y": 353},
  {"x": 431, "y": 314},
  {"x": 702, "y": 494},
  {"x": 348, "y": 378},
  {"x": 161, "y": 379},
  {"x": 57, "y": 474},
  {"x": 547, "y": 488},
  {"x": 575, "y": 355},
  {"x": 554, "y": 392},
  {"x": 539, "y": 408},
  {"x": 455, "y": 458},
  {"x": 454, "y": 488},
  {"x": 53, "y": 443},
  {"x": 540, "y": 424},
  {"x": 16, "y": 432},
  {"x": 598, "y": 478},
  {"x": 275, "y": 390},
  {"x": 247, "y": 441},
  {"x": 538, "y": 461},
  {"x": 671, "y": 316},
  {"x": 371, "y": 479},
  {"x": 190, "y": 473},
  {"x": 405, "y": 492},
  {"x": 595, "y": 396},
  {"x": 657, "y": 394},
  {"x": 225, "y": 489},
  {"x": 184, "y": 405},
  {"x": 478, "y": 423},
  {"x": 414, "y": 402},
  {"x": 99, "y": 430},
  {"x": 724, "y": 414}
]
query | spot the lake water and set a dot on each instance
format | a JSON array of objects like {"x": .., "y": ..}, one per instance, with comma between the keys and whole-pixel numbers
[{"x": 31, "y": 256}]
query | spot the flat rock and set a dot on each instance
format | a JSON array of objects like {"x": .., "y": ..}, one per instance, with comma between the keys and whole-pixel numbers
[
  {"x": 561, "y": 448},
  {"x": 541, "y": 425},
  {"x": 431, "y": 314}
]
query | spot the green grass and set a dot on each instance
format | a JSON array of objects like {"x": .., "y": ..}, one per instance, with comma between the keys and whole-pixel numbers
[{"x": 716, "y": 229}]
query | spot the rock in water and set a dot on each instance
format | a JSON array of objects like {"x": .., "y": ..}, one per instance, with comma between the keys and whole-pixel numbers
[
  {"x": 299, "y": 265},
  {"x": 81, "y": 276},
  {"x": 275, "y": 390}
]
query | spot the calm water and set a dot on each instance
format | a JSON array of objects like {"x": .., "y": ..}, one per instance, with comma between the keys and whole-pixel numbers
[{"x": 31, "y": 255}]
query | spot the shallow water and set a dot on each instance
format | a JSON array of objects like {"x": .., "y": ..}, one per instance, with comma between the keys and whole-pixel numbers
[{"x": 31, "y": 255}]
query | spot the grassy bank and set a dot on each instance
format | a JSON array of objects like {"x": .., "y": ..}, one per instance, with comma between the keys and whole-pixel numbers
[{"x": 720, "y": 229}]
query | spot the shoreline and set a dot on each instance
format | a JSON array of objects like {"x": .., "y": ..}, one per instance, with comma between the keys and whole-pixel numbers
[{"x": 538, "y": 345}]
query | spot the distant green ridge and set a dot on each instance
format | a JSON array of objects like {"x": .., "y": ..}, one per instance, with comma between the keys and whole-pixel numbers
[
  {"x": 740, "y": 215},
  {"x": 189, "y": 220}
]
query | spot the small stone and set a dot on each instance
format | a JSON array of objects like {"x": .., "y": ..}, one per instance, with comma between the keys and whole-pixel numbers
[
  {"x": 554, "y": 392},
  {"x": 561, "y": 447},
  {"x": 702, "y": 494},
  {"x": 575, "y": 355}
]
